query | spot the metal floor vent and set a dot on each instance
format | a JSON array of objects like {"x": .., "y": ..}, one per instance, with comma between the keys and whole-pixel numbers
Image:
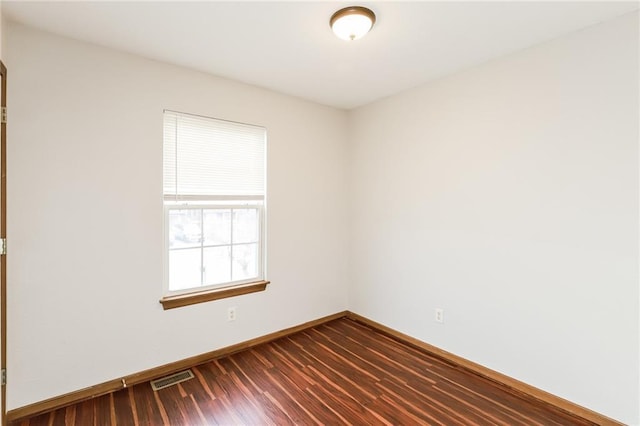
[{"x": 171, "y": 380}]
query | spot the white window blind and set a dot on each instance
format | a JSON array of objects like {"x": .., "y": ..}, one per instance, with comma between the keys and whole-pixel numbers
[{"x": 206, "y": 157}]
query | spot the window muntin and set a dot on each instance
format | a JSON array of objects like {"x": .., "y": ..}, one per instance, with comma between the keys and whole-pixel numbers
[
  {"x": 214, "y": 191},
  {"x": 210, "y": 246}
]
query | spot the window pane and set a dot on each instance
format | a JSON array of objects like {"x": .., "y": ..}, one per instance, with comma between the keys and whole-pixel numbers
[
  {"x": 185, "y": 228},
  {"x": 217, "y": 227},
  {"x": 184, "y": 269},
  {"x": 245, "y": 261},
  {"x": 245, "y": 226},
  {"x": 217, "y": 265}
]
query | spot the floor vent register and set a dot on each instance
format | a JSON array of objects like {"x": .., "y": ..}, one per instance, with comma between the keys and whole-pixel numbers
[{"x": 171, "y": 380}]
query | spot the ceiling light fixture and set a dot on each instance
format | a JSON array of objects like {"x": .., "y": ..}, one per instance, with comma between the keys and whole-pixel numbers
[{"x": 352, "y": 23}]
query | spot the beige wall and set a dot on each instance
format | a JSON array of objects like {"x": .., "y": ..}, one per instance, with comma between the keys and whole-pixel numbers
[
  {"x": 85, "y": 214},
  {"x": 507, "y": 195}
]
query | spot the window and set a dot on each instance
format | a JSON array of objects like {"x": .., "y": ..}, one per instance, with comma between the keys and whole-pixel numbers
[{"x": 214, "y": 200}]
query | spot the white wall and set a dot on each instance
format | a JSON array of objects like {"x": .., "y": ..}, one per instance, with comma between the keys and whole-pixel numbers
[
  {"x": 85, "y": 215},
  {"x": 508, "y": 196}
]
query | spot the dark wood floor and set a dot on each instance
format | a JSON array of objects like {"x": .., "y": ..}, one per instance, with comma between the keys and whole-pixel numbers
[{"x": 341, "y": 372}]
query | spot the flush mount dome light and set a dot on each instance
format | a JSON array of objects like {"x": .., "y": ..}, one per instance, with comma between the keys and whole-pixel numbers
[{"x": 352, "y": 23}]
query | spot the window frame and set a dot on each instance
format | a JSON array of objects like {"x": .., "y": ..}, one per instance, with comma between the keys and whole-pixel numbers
[
  {"x": 256, "y": 204},
  {"x": 184, "y": 297}
]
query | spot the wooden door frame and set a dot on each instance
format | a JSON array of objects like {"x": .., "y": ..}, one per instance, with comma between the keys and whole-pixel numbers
[{"x": 3, "y": 234}]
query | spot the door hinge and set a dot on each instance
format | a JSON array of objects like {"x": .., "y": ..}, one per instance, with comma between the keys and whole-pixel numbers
[
  {"x": 3, "y": 379},
  {"x": 3, "y": 115},
  {"x": 3, "y": 246}
]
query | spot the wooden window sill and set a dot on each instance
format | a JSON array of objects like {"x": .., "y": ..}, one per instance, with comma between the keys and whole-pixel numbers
[{"x": 171, "y": 302}]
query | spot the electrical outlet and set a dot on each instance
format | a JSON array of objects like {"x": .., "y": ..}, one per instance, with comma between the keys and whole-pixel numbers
[
  {"x": 439, "y": 316},
  {"x": 231, "y": 313}
]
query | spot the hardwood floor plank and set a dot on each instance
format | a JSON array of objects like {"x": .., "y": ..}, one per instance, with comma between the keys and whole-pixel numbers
[
  {"x": 204, "y": 386},
  {"x": 41, "y": 420},
  {"x": 340, "y": 372},
  {"x": 336, "y": 416},
  {"x": 385, "y": 345},
  {"x": 502, "y": 400},
  {"x": 313, "y": 409},
  {"x": 123, "y": 411},
  {"x": 408, "y": 400},
  {"x": 85, "y": 414},
  {"x": 469, "y": 413},
  {"x": 297, "y": 407},
  {"x": 70, "y": 414},
  {"x": 343, "y": 403},
  {"x": 250, "y": 387},
  {"x": 290, "y": 363},
  {"x": 101, "y": 410},
  {"x": 57, "y": 418},
  {"x": 220, "y": 412},
  {"x": 146, "y": 406},
  {"x": 287, "y": 419},
  {"x": 388, "y": 409},
  {"x": 212, "y": 372},
  {"x": 273, "y": 411},
  {"x": 365, "y": 358},
  {"x": 351, "y": 360},
  {"x": 177, "y": 408},
  {"x": 334, "y": 371},
  {"x": 243, "y": 407}
]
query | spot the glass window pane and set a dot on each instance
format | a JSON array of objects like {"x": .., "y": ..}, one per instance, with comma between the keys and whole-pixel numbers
[
  {"x": 217, "y": 265},
  {"x": 217, "y": 226},
  {"x": 184, "y": 269},
  {"x": 185, "y": 228},
  {"x": 245, "y": 261},
  {"x": 245, "y": 226}
]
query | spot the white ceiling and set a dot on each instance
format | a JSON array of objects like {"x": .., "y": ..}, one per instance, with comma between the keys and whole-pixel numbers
[{"x": 288, "y": 46}]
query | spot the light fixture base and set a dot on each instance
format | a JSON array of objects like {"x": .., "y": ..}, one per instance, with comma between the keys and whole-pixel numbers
[{"x": 353, "y": 22}]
